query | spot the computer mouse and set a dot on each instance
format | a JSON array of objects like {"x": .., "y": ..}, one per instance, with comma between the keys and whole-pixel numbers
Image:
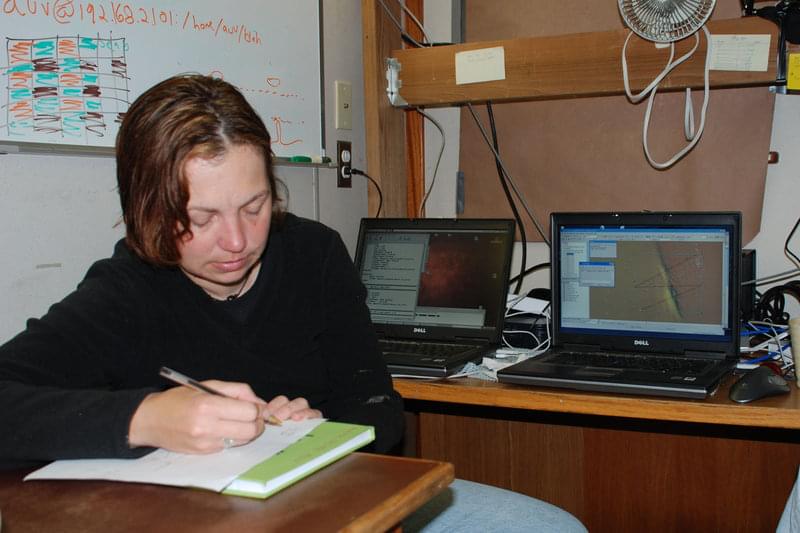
[{"x": 756, "y": 384}]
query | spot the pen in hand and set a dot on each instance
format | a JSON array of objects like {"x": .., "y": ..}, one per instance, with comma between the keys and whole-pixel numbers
[{"x": 186, "y": 381}]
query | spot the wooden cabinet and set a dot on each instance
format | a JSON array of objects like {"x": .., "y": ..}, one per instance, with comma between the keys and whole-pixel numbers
[{"x": 619, "y": 463}]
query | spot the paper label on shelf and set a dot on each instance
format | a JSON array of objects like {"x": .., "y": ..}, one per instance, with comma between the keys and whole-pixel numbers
[
  {"x": 746, "y": 53},
  {"x": 475, "y": 66},
  {"x": 793, "y": 83}
]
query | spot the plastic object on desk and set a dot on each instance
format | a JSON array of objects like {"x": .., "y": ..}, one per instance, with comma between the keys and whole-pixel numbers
[
  {"x": 504, "y": 353},
  {"x": 756, "y": 384},
  {"x": 529, "y": 305}
]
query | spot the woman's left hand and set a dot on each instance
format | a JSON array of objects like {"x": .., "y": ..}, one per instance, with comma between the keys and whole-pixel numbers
[{"x": 283, "y": 408}]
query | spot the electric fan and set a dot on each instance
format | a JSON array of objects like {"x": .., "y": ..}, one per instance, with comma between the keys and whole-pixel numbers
[{"x": 665, "y": 21}]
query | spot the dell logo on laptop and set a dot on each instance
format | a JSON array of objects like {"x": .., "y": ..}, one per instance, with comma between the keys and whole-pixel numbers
[
  {"x": 642, "y": 342},
  {"x": 420, "y": 330}
]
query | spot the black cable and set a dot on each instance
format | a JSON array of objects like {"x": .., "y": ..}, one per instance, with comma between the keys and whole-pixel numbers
[
  {"x": 786, "y": 244},
  {"x": 354, "y": 170},
  {"x": 519, "y": 195},
  {"x": 530, "y": 270},
  {"x": 410, "y": 40},
  {"x": 771, "y": 305},
  {"x": 502, "y": 177}
]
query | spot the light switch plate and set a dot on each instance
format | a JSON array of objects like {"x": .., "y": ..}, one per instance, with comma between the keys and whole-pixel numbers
[{"x": 344, "y": 104}]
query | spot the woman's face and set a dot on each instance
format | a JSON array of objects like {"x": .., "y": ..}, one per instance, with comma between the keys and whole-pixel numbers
[{"x": 230, "y": 207}]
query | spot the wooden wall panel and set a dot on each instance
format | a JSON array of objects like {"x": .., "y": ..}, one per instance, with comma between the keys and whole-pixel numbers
[
  {"x": 621, "y": 475},
  {"x": 508, "y": 19},
  {"x": 548, "y": 459},
  {"x": 385, "y": 133},
  {"x": 542, "y": 460},
  {"x": 586, "y": 154},
  {"x": 415, "y": 128},
  {"x": 686, "y": 481}
]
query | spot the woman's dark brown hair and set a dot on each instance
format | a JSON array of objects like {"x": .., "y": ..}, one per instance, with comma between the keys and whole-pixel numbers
[{"x": 178, "y": 119}]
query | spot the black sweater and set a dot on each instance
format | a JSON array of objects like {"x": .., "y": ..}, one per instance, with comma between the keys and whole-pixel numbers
[{"x": 70, "y": 383}]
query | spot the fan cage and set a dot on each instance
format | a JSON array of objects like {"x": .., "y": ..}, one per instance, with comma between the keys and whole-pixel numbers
[{"x": 665, "y": 21}]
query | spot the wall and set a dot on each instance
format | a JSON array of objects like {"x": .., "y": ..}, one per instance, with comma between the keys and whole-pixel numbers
[
  {"x": 780, "y": 200},
  {"x": 58, "y": 213},
  {"x": 781, "y": 196},
  {"x": 441, "y": 201}
]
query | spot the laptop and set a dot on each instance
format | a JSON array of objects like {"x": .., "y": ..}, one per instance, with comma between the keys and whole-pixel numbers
[
  {"x": 642, "y": 303},
  {"x": 436, "y": 289}
]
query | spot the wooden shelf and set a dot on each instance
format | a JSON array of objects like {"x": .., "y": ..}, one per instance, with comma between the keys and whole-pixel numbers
[
  {"x": 777, "y": 412},
  {"x": 569, "y": 66}
]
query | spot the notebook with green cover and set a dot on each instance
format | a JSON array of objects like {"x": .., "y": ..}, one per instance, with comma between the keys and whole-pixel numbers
[
  {"x": 280, "y": 456},
  {"x": 323, "y": 445}
]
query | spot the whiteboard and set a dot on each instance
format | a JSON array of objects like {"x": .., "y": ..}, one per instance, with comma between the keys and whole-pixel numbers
[{"x": 71, "y": 68}]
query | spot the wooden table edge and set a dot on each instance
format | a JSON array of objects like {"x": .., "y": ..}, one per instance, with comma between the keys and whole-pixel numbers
[
  {"x": 777, "y": 412},
  {"x": 393, "y": 510}
]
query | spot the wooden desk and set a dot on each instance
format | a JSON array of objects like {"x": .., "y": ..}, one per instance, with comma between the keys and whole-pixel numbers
[
  {"x": 361, "y": 492},
  {"x": 619, "y": 463}
]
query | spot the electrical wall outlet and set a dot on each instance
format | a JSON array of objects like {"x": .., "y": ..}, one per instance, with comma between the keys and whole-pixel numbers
[{"x": 344, "y": 161}]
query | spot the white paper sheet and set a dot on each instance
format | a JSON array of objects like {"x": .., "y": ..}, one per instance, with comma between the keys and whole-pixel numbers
[
  {"x": 740, "y": 52},
  {"x": 214, "y": 471},
  {"x": 475, "y": 66}
]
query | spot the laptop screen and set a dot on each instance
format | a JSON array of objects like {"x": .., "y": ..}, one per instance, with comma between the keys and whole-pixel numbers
[
  {"x": 430, "y": 275},
  {"x": 636, "y": 277}
]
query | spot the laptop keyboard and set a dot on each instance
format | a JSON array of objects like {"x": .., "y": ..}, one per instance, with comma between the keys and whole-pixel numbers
[
  {"x": 427, "y": 348},
  {"x": 650, "y": 363}
]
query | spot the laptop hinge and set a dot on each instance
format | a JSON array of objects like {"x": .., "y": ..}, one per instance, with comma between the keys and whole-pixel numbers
[
  {"x": 704, "y": 355},
  {"x": 571, "y": 347}
]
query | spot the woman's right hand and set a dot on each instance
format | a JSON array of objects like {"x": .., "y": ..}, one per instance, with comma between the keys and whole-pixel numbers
[{"x": 184, "y": 420}]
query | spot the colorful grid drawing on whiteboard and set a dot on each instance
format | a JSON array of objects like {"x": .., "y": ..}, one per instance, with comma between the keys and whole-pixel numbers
[{"x": 66, "y": 87}]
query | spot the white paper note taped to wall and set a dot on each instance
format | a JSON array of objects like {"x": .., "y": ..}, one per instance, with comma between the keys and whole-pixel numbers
[
  {"x": 475, "y": 66},
  {"x": 740, "y": 52}
]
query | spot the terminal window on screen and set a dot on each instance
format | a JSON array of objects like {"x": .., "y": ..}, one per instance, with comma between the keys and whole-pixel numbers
[
  {"x": 439, "y": 278},
  {"x": 647, "y": 281}
]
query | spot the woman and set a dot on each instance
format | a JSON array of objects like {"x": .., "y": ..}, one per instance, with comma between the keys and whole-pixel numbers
[
  {"x": 215, "y": 280},
  {"x": 212, "y": 279}
]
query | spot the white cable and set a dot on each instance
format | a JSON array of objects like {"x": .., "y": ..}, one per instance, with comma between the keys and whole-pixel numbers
[
  {"x": 692, "y": 135},
  {"x": 780, "y": 276},
  {"x": 520, "y": 332},
  {"x": 787, "y": 355},
  {"x": 540, "y": 348},
  {"x": 653, "y": 84},
  {"x": 765, "y": 323},
  {"x": 775, "y": 338},
  {"x": 688, "y": 116},
  {"x": 780, "y": 347},
  {"x": 411, "y": 15},
  {"x": 669, "y": 67},
  {"x": 518, "y": 313},
  {"x": 399, "y": 26},
  {"x": 438, "y": 160}
]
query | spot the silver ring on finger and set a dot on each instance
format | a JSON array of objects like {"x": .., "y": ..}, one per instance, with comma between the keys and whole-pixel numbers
[{"x": 228, "y": 443}]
